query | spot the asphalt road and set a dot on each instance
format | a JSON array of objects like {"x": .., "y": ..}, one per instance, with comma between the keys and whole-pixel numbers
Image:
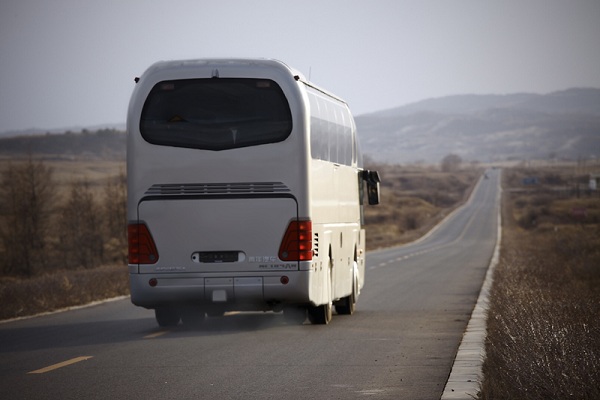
[{"x": 400, "y": 343}]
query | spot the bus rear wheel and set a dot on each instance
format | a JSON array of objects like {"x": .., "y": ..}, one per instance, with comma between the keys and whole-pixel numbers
[
  {"x": 320, "y": 315},
  {"x": 192, "y": 317},
  {"x": 346, "y": 305},
  {"x": 167, "y": 316}
]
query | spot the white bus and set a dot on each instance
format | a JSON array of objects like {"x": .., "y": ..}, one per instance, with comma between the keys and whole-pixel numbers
[{"x": 245, "y": 187}]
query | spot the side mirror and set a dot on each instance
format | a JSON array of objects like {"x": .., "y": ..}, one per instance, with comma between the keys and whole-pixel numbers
[{"x": 372, "y": 178}]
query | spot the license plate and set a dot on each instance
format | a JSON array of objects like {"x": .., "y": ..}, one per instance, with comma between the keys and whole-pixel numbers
[{"x": 217, "y": 256}]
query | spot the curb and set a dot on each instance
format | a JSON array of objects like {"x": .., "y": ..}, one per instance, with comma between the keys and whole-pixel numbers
[{"x": 62, "y": 310}]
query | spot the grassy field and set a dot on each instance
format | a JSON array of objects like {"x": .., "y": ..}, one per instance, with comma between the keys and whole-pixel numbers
[
  {"x": 414, "y": 199},
  {"x": 543, "y": 328}
]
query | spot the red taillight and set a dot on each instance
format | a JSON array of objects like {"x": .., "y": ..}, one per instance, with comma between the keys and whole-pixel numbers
[
  {"x": 297, "y": 242},
  {"x": 142, "y": 249}
]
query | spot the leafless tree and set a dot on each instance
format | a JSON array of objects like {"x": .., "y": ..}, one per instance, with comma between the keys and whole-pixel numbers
[
  {"x": 115, "y": 217},
  {"x": 451, "y": 163},
  {"x": 27, "y": 195},
  {"x": 80, "y": 237}
]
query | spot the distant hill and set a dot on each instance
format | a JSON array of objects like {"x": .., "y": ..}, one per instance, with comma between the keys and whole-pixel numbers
[
  {"x": 108, "y": 144},
  {"x": 38, "y": 131},
  {"x": 563, "y": 124}
]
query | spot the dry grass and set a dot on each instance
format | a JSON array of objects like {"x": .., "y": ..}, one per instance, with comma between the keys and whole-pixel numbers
[
  {"x": 22, "y": 297},
  {"x": 56, "y": 282},
  {"x": 543, "y": 327},
  {"x": 413, "y": 200}
]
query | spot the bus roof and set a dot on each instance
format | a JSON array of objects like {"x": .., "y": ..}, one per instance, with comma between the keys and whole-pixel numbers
[{"x": 214, "y": 63}]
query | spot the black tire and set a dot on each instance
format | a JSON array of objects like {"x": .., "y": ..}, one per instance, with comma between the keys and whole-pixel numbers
[
  {"x": 320, "y": 315},
  {"x": 167, "y": 316},
  {"x": 192, "y": 317},
  {"x": 346, "y": 305}
]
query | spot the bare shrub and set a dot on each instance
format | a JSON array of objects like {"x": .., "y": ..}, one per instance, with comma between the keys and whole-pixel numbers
[
  {"x": 81, "y": 243},
  {"x": 579, "y": 253},
  {"x": 115, "y": 218},
  {"x": 27, "y": 196},
  {"x": 520, "y": 203},
  {"x": 61, "y": 289},
  {"x": 541, "y": 200},
  {"x": 529, "y": 219},
  {"x": 451, "y": 163}
]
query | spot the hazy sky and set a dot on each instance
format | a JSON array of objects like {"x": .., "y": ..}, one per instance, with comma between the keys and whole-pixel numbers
[{"x": 66, "y": 63}]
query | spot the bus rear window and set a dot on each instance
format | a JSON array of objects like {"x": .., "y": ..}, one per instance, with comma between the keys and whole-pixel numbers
[{"x": 216, "y": 114}]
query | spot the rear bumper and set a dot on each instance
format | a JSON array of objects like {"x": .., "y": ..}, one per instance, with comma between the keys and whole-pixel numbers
[{"x": 235, "y": 291}]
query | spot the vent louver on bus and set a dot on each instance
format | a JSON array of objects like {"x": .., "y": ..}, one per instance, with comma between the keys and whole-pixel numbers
[{"x": 202, "y": 189}]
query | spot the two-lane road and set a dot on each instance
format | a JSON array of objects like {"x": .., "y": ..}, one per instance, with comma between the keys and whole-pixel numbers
[{"x": 400, "y": 343}]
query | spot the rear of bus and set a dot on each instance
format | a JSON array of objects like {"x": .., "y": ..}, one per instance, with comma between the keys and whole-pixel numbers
[{"x": 217, "y": 186}]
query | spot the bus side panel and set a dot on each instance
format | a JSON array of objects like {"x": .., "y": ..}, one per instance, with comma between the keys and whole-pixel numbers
[
  {"x": 361, "y": 258},
  {"x": 336, "y": 220}
]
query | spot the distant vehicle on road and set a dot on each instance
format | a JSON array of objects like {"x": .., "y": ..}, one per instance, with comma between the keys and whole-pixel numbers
[{"x": 246, "y": 190}]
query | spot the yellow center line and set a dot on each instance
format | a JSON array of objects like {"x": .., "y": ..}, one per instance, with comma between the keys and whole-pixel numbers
[
  {"x": 156, "y": 334},
  {"x": 231, "y": 313},
  {"x": 60, "y": 365}
]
